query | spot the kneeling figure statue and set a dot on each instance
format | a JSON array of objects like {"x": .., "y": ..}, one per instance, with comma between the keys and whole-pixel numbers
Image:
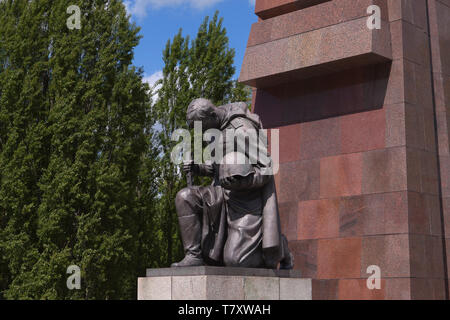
[{"x": 235, "y": 221}]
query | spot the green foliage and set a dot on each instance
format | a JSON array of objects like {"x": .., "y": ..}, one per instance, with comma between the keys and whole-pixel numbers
[
  {"x": 204, "y": 68},
  {"x": 85, "y": 171},
  {"x": 76, "y": 159}
]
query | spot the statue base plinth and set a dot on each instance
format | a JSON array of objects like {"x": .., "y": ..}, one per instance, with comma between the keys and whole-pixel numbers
[{"x": 217, "y": 283}]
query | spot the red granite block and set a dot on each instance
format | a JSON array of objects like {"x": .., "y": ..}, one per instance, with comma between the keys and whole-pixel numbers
[
  {"x": 395, "y": 125},
  {"x": 363, "y": 131},
  {"x": 443, "y": 134},
  {"x": 442, "y": 21},
  {"x": 429, "y": 172},
  {"x": 395, "y": 213},
  {"x": 448, "y": 122},
  {"x": 394, "y": 9},
  {"x": 339, "y": 258},
  {"x": 409, "y": 72},
  {"x": 384, "y": 171},
  {"x": 260, "y": 32},
  {"x": 439, "y": 289},
  {"x": 415, "y": 12},
  {"x": 325, "y": 289},
  {"x": 266, "y": 9},
  {"x": 269, "y": 108},
  {"x": 254, "y": 94},
  {"x": 353, "y": 212},
  {"x": 427, "y": 289},
  {"x": 435, "y": 36},
  {"x": 318, "y": 219},
  {"x": 288, "y": 218},
  {"x": 435, "y": 252},
  {"x": 421, "y": 289},
  {"x": 426, "y": 261},
  {"x": 396, "y": 28},
  {"x": 269, "y": 140},
  {"x": 277, "y": 183},
  {"x": 417, "y": 90},
  {"x": 312, "y": 18},
  {"x": 433, "y": 206},
  {"x": 445, "y": 175},
  {"x": 446, "y": 210},
  {"x": 290, "y": 139},
  {"x": 299, "y": 181},
  {"x": 300, "y": 101},
  {"x": 447, "y": 245},
  {"x": 340, "y": 176},
  {"x": 335, "y": 41},
  {"x": 429, "y": 130},
  {"x": 422, "y": 171},
  {"x": 375, "y": 214},
  {"x": 356, "y": 289},
  {"x": 415, "y": 45},
  {"x": 343, "y": 46},
  {"x": 305, "y": 256},
  {"x": 413, "y": 160},
  {"x": 414, "y": 124},
  {"x": 448, "y": 126},
  {"x": 419, "y": 216},
  {"x": 440, "y": 92},
  {"x": 389, "y": 252},
  {"x": 398, "y": 289},
  {"x": 264, "y": 60},
  {"x": 446, "y": 80},
  {"x": 423, "y": 86},
  {"x": 395, "y": 92},
  {"x": 320, "y": 138}
]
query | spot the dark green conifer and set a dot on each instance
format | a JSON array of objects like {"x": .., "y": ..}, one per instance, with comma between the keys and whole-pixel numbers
[{"x": 75, "y": 130}]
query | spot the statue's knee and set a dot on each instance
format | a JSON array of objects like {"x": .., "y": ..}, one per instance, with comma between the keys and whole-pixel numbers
[
  {"x": 230, "y": 256},
  {"x": 230, "y": 260},
  {"x": 183, "y": 196}
]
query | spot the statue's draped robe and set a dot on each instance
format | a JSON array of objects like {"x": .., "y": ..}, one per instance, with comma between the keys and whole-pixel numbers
[{"x": 241, "y": 226}]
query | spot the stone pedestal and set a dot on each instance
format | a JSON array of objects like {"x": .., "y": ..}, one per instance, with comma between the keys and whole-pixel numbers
[{"x": 214, "y": 283}]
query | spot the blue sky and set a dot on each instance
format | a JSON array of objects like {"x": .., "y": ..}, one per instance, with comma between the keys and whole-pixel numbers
[{"x": 160, "y": 20}]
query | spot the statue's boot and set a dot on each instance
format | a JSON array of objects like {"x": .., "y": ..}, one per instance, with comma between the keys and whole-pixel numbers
[
  {"x": 191, "y": 233},
  {"x": 287, "y": 263}
]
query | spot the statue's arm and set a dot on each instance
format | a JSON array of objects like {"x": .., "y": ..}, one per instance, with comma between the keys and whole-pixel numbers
[
  {"x": 253, "y": 180},
  {"x": 255, "y": 150}
]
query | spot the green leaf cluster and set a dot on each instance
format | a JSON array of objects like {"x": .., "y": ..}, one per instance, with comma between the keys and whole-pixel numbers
[{"x": 76, "y": 152}]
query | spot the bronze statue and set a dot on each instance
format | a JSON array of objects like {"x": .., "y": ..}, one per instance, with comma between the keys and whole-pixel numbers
[{"x": 235, "y": 221}]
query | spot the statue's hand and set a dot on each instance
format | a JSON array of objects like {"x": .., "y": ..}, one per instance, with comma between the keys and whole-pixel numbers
[
  {"x": 190, "y": 167},
  {"x": 233, "y": 183}
]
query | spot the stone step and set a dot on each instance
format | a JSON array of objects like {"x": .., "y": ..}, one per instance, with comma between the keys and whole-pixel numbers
[{"x": 214, "y": 283}]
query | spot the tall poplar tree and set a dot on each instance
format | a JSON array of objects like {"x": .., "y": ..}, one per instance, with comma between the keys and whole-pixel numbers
[{"x": 76, "y": 156}]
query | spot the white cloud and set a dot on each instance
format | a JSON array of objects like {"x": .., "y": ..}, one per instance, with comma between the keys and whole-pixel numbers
[
  {"x": 252, "y": 2},
  {"x": 139, "y": 8},
  {"x": 151, "y": 80}
]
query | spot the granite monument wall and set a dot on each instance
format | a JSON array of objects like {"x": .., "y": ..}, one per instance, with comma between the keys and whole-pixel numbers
[{"x": 364, "y": 118}]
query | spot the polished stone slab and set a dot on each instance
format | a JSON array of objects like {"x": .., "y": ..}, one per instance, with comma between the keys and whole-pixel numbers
[
  {"x": 319, "y": 52},
  {"x": 222, "y": 271},
  {"x": 328, "y": 14},
  {"x": 266, "y": 9}
]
